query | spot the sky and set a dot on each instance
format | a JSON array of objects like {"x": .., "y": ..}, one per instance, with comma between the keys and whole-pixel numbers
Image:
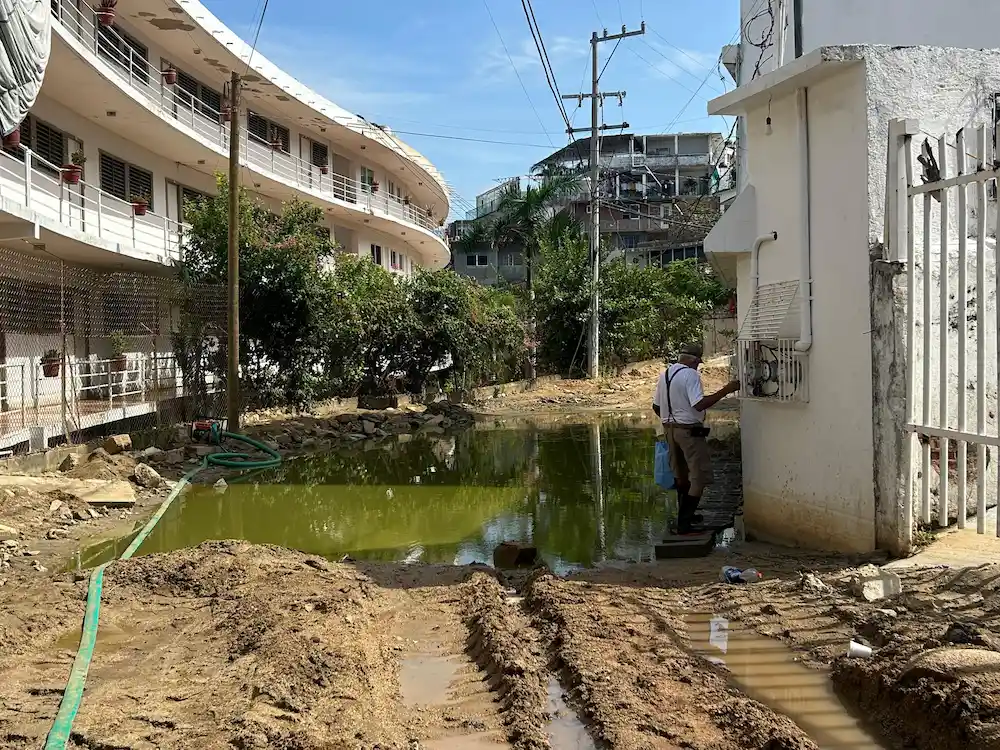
[{"x": 439, "y": 71}]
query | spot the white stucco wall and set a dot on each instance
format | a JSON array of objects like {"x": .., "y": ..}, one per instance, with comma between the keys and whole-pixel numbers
[
  {"x": 944, "y": 90},
  {"x": 808, "y": 467}
]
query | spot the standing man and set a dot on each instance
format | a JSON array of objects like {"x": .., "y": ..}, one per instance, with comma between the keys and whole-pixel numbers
[{"x": 680, "y": 403}]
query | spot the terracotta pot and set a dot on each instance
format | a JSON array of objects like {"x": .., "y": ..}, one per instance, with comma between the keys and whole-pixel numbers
[
  {"x": 51, "y": 367},
  {"x": 13, "y": 138},
  {"x": 71, "y": 174},
  {"x": 118, "y": 364},
  {"x": 106, "y": 16},
  {"x": 140, "y": 209},
  {"x": 169, "y": 77},
  {"x": 324, "y": 169}
]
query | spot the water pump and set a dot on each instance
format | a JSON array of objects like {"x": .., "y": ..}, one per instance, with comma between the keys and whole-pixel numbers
[{"x": 207, "y": 430}]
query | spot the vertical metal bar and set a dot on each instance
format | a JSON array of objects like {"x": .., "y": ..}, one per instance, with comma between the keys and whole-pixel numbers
[
  {"x": 100, "y": 210},
  {"x": 23, "y": 416},
  {"x": 981, "y": 146},
  {"x": 997, "y": 342},
  {"x": 963, "y": 326},
  {"x": 925, "y": 411},
  {"x": 65, "y": 354},
  {"x": 944, "y": 444},
  {"x": 906, "y": 149},
  {"x": 27, "y": 178}
]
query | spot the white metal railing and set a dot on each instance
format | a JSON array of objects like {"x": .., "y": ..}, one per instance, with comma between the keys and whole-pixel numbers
[
  {"x": 946, "y": 239},
  {"x": 173, "y": 103},
  {"x": 36, "y": 184},
  {"x": 14, "y": 394}
]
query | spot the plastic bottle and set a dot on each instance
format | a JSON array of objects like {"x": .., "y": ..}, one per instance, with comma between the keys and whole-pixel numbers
[{"x": 731, "y": 574}]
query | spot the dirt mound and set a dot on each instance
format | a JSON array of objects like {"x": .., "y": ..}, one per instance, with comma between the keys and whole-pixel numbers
[{"x": 102, "y": 465}]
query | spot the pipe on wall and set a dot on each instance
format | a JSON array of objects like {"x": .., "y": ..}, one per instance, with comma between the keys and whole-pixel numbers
[
  {"x": 805, "y": 341},
  {"x": 755, "y": 260}
]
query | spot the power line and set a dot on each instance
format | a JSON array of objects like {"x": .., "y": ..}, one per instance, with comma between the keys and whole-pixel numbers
[
  {"x": 550, "y": 76},
  {"x": 516, "y": 73},
  {"x": 256, "y": 36},
  {"x": 473, "y": 140}
]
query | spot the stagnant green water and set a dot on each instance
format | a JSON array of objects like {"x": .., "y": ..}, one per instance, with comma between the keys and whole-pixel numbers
[{"x": 581, "y": 493}]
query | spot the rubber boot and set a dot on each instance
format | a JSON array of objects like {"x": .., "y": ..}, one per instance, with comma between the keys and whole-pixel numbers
[{"x": 687, "y": 519}]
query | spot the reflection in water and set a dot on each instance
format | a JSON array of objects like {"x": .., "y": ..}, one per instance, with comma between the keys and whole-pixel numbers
[
  {"x": 767, "y": 671},
  {"x": 581, "y": 494}
]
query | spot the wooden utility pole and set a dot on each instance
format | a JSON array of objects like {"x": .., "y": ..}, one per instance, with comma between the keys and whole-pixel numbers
[
  {"x": 597, "y": 97},
  {"x": 233, "y": 375}
]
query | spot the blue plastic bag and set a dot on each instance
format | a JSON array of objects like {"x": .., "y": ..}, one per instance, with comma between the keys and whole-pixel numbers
[{"x": 662, "y": 474}]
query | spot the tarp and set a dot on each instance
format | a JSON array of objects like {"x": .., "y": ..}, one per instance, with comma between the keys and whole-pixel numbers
[{"x": 25, "y": 42}]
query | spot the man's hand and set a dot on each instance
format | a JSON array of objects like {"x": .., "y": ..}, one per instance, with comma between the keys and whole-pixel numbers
[{"x": 733, "y": 386}]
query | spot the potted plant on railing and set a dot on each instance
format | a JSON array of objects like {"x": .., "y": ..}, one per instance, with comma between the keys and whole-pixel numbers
[
  {"x": 51, "y": 363},
  {"x": 169, "y": 75},
  {"x": 118, "y": 360},
  {"x": 72, "y": 172},
  {"x": 140, "y": 204},
  {"x": 324, "y": 169},
  {"x": 406, "y": 201},
  {"x": 13, "y": 138},
  {"x": 374, "y": 186},
  {"x": 106, "y": 12}
]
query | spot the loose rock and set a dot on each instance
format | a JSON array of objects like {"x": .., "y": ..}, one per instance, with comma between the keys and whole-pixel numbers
[
  {"x": 147, "y": 476},
  {"x": 118, "y": 444}
]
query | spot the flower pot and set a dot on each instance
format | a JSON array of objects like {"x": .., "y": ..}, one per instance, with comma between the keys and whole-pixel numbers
[
  {"x": 374, "y": 187},
  {"x": 118, "y": 364},
  {"x": 276, "y": 146},
  {"x": 13, "y": 138},
  {"x": 106, "y": 15},
  {"x": 71, "y": 174},
  {"x": 324, "y": 169},
  {"x": 139, "y": 209},
  {"x": 51, "y": 367},
  {"x": 169, "y": 76}
]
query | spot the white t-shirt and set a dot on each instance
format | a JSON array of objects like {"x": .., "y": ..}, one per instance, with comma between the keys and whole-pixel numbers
[{"x": 685, "y": 391}]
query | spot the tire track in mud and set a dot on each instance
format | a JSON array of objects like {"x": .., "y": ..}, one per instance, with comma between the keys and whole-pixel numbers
[{"x": 637, "y": 685}]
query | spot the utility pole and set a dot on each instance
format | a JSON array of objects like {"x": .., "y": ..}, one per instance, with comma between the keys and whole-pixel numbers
[
  {"x": 597, "y": 97},
  {"x": 233, "y": 375}
]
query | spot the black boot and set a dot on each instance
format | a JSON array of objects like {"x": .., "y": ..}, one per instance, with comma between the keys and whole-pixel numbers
[{"x": 687, "y": 519}]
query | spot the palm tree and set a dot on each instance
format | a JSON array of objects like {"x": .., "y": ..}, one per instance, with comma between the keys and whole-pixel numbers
[{"x": 523, "y": 219}]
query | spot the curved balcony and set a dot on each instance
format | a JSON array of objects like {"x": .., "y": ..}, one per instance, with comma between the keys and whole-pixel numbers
[
  {"x": 71, "y": 220},
  {"x": 366, "y": 204}
]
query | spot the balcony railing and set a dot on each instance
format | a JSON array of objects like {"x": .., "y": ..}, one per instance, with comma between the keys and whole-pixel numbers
[
  {"x": 36, "y": 184},
  {"x": 173, "y": 103}
]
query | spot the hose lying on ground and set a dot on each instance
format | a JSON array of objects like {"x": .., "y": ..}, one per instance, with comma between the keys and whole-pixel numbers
[{"x": 73, "y": 694}]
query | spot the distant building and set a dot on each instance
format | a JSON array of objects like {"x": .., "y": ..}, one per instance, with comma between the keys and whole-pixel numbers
[
  {"x": 483, "y": 262},
  {"x": 660, "y": 194}
]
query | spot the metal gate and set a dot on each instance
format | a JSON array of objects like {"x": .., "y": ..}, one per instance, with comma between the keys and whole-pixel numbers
[{"x": 941, "y": 222}]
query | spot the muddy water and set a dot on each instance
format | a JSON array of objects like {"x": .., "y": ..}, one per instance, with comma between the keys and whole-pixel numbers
[
  {"x": 565, "y": 730},
  {"x": 581, "y": 493},
  {"x": 767, "y": 671}
]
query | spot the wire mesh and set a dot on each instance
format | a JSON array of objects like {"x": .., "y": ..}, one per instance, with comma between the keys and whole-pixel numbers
[{"x": 86, "y": 352}]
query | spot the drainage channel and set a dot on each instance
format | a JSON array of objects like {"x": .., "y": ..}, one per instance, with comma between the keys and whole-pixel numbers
[{"x": 767, "y": 671}]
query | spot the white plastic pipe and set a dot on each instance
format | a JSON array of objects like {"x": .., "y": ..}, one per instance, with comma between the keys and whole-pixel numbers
[
  {"x": 755, "y": 260},
  {"x": 805, "y": 341}
]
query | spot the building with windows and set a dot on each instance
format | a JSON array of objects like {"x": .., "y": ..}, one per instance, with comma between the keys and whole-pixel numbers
[
  {"x": 660, "y": 194},
  {"x": 131, "y": 123}
]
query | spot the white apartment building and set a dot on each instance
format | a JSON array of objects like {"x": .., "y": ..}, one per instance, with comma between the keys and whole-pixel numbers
[
  {"x": 844, "y": 333},
  {"x": 137, "y": 90}
]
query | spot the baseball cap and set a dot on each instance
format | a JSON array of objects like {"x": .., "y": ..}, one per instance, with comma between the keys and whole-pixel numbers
[{"x": 692, "y": 350}]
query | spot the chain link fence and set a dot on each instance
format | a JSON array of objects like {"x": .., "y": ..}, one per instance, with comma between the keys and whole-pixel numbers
[{"x": 86, "y": 353}]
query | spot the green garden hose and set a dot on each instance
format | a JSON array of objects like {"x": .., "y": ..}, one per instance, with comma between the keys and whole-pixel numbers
[{"x": 73, "y": 694}]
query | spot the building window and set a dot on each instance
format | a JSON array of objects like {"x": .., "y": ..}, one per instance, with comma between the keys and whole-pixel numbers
[
  {"x": 367, "y": 178},
  {"x": 48, "y": 144},
  {"x": 194, "y": 94},
  {"x": 124, "y": 51},
  {"x": 628, "y": 241},
  {"x": 511, "y": 259},
  {"x": 267, "y": 132},
  {"x": 126, "y": 181},
  {"x": 377, "y": 255},
  {"x": 319, "y": 154},
  {"x": 476, "y": 260},
  {"x": 189, "y": 199}
]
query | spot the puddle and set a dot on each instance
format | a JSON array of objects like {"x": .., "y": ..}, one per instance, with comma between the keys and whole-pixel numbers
[
  {"x": 426, "y": 680},
  {"x": 582, "y": 494},
  {"x": 565, "y": 730},
  {"x": 766, "y": 670}
]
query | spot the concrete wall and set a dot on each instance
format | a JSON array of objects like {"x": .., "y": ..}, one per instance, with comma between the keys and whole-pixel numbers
[
  {"x": 808, "y": 467},
  {"x": 944, "y": 90}
]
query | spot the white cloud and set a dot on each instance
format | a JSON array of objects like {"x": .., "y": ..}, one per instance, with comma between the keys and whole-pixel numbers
[{"x": 524, "y": 57}]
